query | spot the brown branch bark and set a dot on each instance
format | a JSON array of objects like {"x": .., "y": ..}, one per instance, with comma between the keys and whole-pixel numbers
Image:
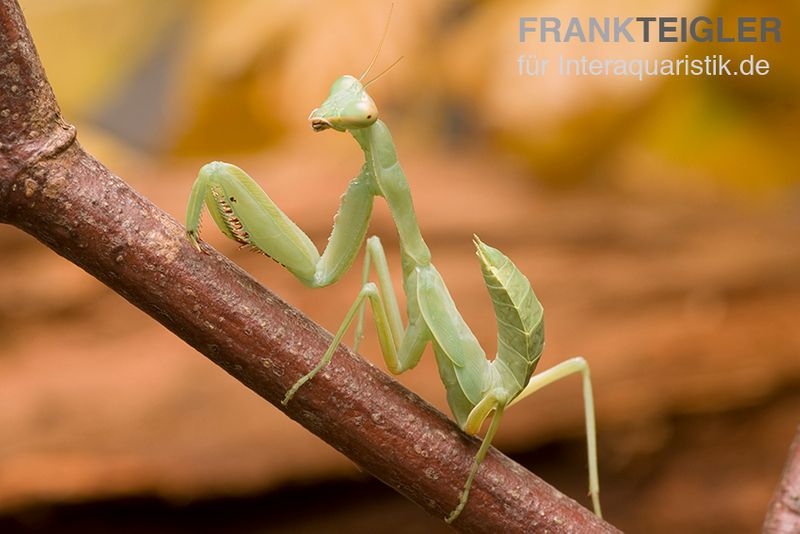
[
  {"x": 51, "y": 188},
  {"x": 783, "y": 516}
]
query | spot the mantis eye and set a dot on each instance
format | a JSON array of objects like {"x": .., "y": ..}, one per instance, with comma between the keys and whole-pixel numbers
[{"x": 359, "y": 113}]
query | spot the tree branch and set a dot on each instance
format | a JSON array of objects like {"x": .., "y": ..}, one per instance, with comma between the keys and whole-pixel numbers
[
  {"x": 52, "y": 189},
  {"x": 783, "y": 516}
]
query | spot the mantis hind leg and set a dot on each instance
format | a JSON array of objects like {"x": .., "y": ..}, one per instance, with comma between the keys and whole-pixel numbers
[
  {"x": 554, "y": 374},
  {"x": 476, "y": 417}
]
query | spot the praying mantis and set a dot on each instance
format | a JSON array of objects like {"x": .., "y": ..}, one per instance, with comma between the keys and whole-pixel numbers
[{"x": 476, "y": 387}]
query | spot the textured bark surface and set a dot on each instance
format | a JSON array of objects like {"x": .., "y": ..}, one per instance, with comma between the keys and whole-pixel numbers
[
  {"x": 783, "y": 516},
  {"x": 55, "y": 191}
]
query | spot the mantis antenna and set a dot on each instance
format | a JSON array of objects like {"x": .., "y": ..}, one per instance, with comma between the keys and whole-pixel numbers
[
  {"x": 387, "y": 69},
  {"x": 380, "y": 44}
]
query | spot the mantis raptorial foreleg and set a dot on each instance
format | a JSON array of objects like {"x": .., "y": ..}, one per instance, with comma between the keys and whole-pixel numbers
[{"x": 245, "y": 213}]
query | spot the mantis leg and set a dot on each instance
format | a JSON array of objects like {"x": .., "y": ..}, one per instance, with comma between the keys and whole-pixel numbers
[
  {"x": 359, "y": 332},
  {"x": 562, "y": 370},
  {"x": 369, "y": 291},
  {"x": 473, "y": 424},
  {"x": 244, "y": 212},
  {"x": 376, "y": 255},
  {"x": 410, "y": 343},
  {"x": 401, "y": 349}
]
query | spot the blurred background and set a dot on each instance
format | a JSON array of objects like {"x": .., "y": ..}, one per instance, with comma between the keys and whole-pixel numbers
[{"x": 657, "y": 221}]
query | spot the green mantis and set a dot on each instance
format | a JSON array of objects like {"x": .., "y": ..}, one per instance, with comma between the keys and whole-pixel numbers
[{"x": 476, "y": 387}]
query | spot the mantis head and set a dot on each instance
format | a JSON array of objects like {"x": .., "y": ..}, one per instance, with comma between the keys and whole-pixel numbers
[{"x": 347, "y": 107}]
